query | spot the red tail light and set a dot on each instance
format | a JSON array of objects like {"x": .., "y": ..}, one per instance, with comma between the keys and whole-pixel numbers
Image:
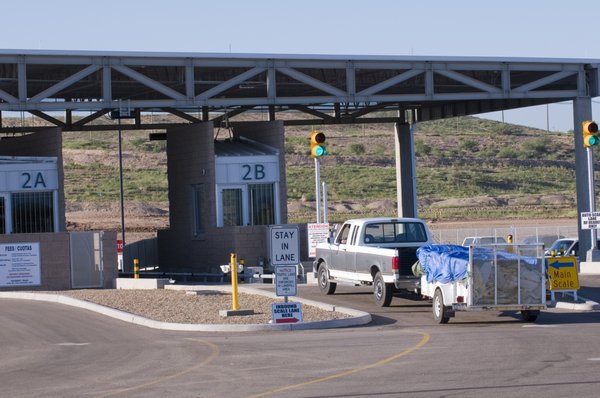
[{"x": 395, "y": 263}]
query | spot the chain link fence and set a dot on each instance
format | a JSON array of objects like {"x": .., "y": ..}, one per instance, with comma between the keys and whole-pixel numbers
[{"x": 546, "y": 234}]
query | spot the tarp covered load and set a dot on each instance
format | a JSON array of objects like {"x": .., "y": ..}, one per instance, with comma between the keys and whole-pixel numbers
[
  {"x": 444, "y": 263},
  {"x": 448, "y": 263}
]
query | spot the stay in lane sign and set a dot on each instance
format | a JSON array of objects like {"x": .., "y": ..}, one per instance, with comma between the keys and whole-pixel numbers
[{"x": 284, "y": 245}]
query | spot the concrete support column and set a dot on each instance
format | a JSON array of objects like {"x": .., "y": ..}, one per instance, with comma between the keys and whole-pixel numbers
[
  {"x": 582, "y": 110},
  {"x": 406, "y": 179}
]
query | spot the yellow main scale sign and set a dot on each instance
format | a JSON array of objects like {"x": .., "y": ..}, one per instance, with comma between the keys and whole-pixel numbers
[{"x": 562, "y": 273}]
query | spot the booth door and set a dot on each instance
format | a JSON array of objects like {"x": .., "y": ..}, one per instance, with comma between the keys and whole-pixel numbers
[
  {"x": 2, "y": 214},
  {"x": 86, "y": 259}
]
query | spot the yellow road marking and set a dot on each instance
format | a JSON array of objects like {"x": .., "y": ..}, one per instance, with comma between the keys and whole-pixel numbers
[
  {"x": 420, "y": 344},
  {"x": 214, "y": 354}
]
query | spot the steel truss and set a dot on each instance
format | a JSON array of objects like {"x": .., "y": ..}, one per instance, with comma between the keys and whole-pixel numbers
[{"x": 75, "y": 90}]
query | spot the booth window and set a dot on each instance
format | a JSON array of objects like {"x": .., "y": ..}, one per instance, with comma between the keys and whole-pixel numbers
[
  {"x": 232, "y": 207},
  {"x": 2, "y": 217},
  {"x": 197, "y": 195},
  {"x": 32, "y": 212},
  {"x": 262, "y": 204}
]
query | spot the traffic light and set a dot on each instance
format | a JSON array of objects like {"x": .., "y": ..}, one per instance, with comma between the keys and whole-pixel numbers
[
  {"x": 590, "y": 134},
  {"x": 317, "y": 144}
]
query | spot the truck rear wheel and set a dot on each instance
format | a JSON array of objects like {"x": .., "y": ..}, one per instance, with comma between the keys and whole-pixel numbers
[
  {"x": 382, "y": 291},
  {"x": 325, "y": 285},
  {"x": 439, "y": 310},
  {"x": 530, "y": 315}
]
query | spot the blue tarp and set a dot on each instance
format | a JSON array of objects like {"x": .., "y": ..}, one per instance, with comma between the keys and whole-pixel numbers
[
  {"x": 444, "y": 263},
  {"x": 447, "y": 263}
]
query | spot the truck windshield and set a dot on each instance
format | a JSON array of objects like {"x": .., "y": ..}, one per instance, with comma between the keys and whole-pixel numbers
[{"x": 395, "y": 232}]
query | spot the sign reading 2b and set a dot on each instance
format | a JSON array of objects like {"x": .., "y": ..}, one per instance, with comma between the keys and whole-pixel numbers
[{"x": 253, "y": 172}]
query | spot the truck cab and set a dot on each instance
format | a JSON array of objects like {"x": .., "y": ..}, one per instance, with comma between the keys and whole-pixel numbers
[{"x": 372, "y": 251}]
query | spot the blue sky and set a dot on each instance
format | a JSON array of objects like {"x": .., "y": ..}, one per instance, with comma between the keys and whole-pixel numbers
[{"x": 507, "y": 28}]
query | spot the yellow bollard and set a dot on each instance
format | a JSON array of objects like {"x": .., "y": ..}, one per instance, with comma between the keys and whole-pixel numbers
[
  {"x": 234, "y": 290},
  {"x": 136, "y": 268}
]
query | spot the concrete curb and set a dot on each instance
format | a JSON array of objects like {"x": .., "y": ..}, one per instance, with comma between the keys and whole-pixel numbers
[
  {"x": 357, "y": 317},
  {"x": 589, "y": 305}
]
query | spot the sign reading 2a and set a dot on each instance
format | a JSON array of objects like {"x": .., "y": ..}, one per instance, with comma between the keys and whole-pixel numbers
[
  {"x": 253, "y": 172},
  {"x": 32, "y": 181}
]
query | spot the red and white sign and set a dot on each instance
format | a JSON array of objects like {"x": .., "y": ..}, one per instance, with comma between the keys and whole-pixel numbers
[
  {"x": 317, "y": 233},
  {"x": 287, "y": 312},
  {"x": 119, "y": 246}
]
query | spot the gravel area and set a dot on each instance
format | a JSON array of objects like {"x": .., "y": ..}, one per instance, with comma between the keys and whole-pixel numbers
[{"x": 177, "y": 306}]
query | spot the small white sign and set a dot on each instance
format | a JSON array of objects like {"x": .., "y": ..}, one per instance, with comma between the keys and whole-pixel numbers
[
  {"x": 20, "y": 264},
  {"x": 590, "y": 220},
  {"x": 286, "y": 312},
  {"x": 317, "y": 233},
  {"x": 285, "y": 280},
  {"x": 284, "y": 246}
]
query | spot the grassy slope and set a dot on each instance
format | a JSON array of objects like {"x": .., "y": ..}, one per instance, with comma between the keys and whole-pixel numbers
[{"x": 456, "y": 158}]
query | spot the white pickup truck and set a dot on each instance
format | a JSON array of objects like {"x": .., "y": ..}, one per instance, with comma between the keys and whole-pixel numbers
[{"x": 372, "y": 251}]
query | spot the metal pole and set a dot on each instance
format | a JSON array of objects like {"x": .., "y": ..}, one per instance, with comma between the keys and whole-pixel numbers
[
  {"x": 234, "y": 283},
  {"x": 325, "y": 209},
  {"x": 592, "y": 194},
  {"x": 318, "y": 188},
  {"x": 121, "y": 186}
]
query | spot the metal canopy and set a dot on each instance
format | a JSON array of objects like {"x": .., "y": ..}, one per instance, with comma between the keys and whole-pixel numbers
[{"x": 73, "y": 90}]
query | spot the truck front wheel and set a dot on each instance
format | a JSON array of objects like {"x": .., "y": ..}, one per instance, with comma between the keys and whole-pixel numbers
[
  {"x": 382, "y": 291},
  {"x": 439, "y": 311},
  {"x": 325, "y": 285}
]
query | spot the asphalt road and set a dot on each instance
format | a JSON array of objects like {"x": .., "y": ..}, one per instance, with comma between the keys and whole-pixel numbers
[{"x": 49, "y": 350}]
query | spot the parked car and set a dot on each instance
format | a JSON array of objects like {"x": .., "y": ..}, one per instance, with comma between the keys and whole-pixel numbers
[
  {"x": 482, "y": 240},
  {"x": 547, "y": 240},
  {"x": 566, "y": 247}
]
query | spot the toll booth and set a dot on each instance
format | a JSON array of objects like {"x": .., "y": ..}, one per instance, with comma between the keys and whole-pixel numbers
[
  {"x": 247, "y": 183},
  {"x": 29, "y": 190},
  {"x": 224, "y": 192}
]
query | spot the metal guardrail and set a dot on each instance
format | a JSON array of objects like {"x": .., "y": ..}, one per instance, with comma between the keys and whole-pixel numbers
[{"x": 544, "y": 234}]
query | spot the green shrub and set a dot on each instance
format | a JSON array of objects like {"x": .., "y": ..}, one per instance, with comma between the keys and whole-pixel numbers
[
  {"x": 421, "y": 148},
  {"x": 469, "y": 145},
  {"x": 508, "y": 153},
  {"x": 357, "y": 149},
  {"x": 535, "y": 147}
]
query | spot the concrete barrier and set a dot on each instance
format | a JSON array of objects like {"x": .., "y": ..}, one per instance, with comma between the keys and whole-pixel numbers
[{"x": 141, "y": 283}]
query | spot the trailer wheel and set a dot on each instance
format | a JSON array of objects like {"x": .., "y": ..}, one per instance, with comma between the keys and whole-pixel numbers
[
  {"x": 439, "y": 311},
  {"x": 530, "y": 315},
  {"x": 325, "y": 285},
  {"x": 382, "y": 291}
]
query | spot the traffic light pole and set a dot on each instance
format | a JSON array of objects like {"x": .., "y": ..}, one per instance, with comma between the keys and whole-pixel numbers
[
  {"x": 592, "y": 195},
  {"x": 318, "y": 188}
]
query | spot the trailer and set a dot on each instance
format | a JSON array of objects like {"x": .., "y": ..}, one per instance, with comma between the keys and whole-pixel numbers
[{"x": 496, "y": 277}]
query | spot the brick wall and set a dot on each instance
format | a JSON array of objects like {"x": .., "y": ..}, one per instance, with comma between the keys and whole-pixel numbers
[
  {"x": 55, "y": 259},
  {"x": 191, "y": 160}
]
